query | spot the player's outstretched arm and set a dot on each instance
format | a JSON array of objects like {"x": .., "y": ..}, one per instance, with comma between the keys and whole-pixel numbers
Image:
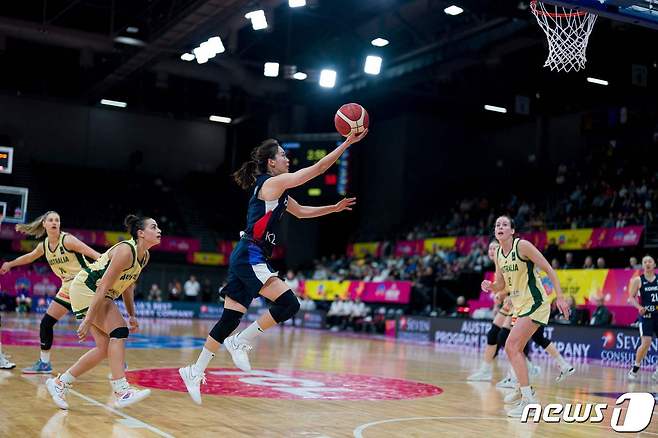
[
  {"x": 306, "y": 211},
  {"x": 25, "y": 259},
  {"x": 275, "y": 186}
]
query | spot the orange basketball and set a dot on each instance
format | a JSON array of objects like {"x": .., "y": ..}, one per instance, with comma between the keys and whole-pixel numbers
[{"x": 351, "y": 118}]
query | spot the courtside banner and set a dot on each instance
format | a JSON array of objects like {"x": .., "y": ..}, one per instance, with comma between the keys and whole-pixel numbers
[
  {"x": 394, "y": 292},
  {"x": 614, "y": 346},
  {"x": 571, "y": 239},
  {"x": 616, "y": 237},
  {"x": 568, "y": 239},
  {"x": 404, "y": 248}
]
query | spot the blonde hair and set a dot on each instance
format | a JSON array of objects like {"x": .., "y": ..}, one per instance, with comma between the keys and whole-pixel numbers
[{"x": 35, "y": 228}]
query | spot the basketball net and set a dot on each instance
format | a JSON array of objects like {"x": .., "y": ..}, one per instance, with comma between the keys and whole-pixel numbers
[{"x": 567, "y": 31}]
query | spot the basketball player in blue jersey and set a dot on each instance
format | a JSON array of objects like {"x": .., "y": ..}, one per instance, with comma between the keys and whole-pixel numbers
[
  {"x": 647, "y": 286},
  {"x": 266, "y": 176}
]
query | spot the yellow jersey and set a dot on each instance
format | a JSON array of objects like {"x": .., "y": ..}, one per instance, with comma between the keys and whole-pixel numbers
[
  {"x": 521, "y": 281},
  {"x": 64, "y": 263},
  {"x": 90, "y": 276}
]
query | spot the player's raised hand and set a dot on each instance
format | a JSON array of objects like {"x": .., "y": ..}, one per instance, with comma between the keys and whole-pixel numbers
[
  {"x": 355, "y": 138},
  {"x": 487, "y": 285},
  {"x": 5, "y": 268}
]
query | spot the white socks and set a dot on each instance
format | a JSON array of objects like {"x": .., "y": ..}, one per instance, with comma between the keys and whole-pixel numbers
[
  {"x": 204, "y": 359},
  {"x": 526, "y": 393},
  {"x": 67, "y": 378},
  {"x": 0, "y": 347},
  {"x": 247, "y": 335},
  {"x": 487, "y": 366},
  {"x": 119, "y": 385},
  {"x": 45, "y": 356},
  {"x": 563, "y": 363}
]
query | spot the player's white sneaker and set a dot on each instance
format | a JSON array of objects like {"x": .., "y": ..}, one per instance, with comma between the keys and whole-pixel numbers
[
  {"x": 564, "y": 373},
  {"x": 483, "y": 375},
  {"x": 5, "y": 364},
  {"x": 517, "y": 411},
  {"x": 238, "y": 352},
  {"x": 631, "y": 375},
  {"x": 513, "y": 397},
  {"x": 58, "y": 391},
  {"x": 193, "y": 381},
  {"x": 507, "y": 382},
  {"x": 129, "y": 396}
]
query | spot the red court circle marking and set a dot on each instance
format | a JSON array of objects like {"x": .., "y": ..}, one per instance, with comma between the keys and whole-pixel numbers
[{"x": 288, "y": 385}]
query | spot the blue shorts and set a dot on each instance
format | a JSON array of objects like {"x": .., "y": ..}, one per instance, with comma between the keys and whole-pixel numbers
[
  {"x": 649, "y": 326},
  {"x": 248, "y": 271}
]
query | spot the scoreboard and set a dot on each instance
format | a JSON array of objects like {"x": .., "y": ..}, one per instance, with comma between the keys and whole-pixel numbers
[{"x": 329, "y": 187}]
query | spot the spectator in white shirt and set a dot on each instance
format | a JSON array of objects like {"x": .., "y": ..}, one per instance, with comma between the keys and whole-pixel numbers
[{"x": 192, "y": 289}]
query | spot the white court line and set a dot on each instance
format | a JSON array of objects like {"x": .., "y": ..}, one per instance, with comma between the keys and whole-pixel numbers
[
  {"x": 358, "y": 432},
  {"x": 135, "y": 421}
]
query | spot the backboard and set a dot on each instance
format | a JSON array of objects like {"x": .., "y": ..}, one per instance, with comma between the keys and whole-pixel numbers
[
  {"x": 639, "y": 12},
  {"x": 14, "y": 202}
]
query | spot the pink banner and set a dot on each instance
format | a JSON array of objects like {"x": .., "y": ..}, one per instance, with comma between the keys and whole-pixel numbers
[
  {"x": 405, "y": 248},
  {"x": 537, "y": 238},
  {"x": 616, "y": 237},
  {"x": 465, "y": 244},
  {"x": 397, "y": 292},
  {"x": 178, "y": 244},
  {"x": 35, "y": 281}
]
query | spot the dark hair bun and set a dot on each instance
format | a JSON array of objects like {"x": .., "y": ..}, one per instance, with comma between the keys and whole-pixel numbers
[{"x": 130, "y": 221}]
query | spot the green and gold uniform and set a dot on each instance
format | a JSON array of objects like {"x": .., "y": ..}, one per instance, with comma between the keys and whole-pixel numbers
[
  {"x": 524, "y": 286},
  {"x": 66, "y": 265},
  {"x": 84, "y": 285}
]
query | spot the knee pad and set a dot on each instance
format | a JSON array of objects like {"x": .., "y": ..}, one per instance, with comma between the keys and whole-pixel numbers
[
  {"x": 285, "y": 307},
  {"x": 229, "y": 321},
  {"x": 539, "y": 338},
  {"x": 119, "y": 333},
  {"x": 502, "y": 337},
  {"x": 46, "y": 331},
  {"x": 492, "y": 335}
]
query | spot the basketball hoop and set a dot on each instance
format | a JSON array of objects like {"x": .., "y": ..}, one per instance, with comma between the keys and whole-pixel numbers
[{"x": 567, "y": 31}]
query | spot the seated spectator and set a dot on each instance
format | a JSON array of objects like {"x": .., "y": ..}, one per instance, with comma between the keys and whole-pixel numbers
[
  {"x": 568, "y": 261},
  {"x": 346, "y": 313},
  {"x": 633, "y": 264},
  {"x": 175, "y": 290},
  {"x": 601, "y": 315},
  {"x": 555, "y": 263},
  {"x": 461, "y": 310},
  {"x": 155, "y": 293},
  {"x": 307, "y": 304},
  {"x": 357, "y": 314},
  {"x": 23, "y": 303},
  {"x": 292, "y": 281},
  {"x": 600, "y": 263},
  {"x": 589, "y": 263},
  {"x": 192, "y": 289},
  {"x": 335, "y": 312}
]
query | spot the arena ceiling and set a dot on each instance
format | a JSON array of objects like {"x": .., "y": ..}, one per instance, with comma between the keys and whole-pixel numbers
[{"x": 85, "y": 50}]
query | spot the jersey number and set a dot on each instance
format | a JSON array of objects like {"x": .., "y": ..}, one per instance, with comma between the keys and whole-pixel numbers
[
  {"x": 509, "y": 281},
  {"x": 654, "y": 298}
]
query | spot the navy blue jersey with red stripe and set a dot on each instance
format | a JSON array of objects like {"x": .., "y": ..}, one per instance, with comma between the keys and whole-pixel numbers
[
  {"x": 263, "y": 217},
  {"x": 649, "y": 294}
]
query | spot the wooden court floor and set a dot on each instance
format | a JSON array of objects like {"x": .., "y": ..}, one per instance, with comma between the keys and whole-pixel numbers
[{"x": 305, "y": 383}]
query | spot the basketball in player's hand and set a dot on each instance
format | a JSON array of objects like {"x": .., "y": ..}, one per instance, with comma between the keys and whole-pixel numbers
[{"x": 351, "y": 118}]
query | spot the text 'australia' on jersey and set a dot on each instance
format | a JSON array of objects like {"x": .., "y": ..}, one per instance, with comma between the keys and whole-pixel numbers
[
  {"x": 649, "y": 294},
  {"x": 263, "y": 217},
  {"x": 64, "y": 263}
]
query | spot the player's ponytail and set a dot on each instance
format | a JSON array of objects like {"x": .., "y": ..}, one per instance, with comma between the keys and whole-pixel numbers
[
  {"x": 35, "y": 228},
  {"x": 246, "y": 175},
  {"x": 133, "y": 224}
]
